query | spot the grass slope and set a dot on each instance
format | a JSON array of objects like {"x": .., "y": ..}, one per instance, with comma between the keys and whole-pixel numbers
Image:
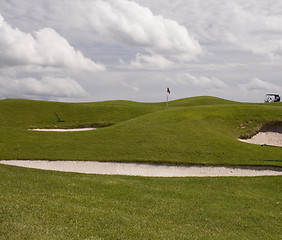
[
  {"x": 202, "y": 130},
  {"x": 200, "y": 101},
  {"x": 26, "y": 114},
  {"x": 37, "y": 204}
]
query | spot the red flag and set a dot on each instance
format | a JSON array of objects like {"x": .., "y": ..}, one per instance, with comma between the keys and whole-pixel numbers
[{"x": 168, "y": 90}]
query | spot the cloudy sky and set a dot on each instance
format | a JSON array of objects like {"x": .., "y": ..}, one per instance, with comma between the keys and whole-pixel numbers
[{"x": 93, "y": 50}]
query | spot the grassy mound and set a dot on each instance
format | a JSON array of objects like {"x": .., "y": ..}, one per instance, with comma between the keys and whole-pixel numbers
[
  {"x": 32, "y": 114},
  {"x": 199, "y": 101},
  {"x": 202, "y": 130}
]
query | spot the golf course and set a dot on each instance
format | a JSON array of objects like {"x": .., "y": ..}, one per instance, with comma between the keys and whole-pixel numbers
[{"x": 197, "y": 131}]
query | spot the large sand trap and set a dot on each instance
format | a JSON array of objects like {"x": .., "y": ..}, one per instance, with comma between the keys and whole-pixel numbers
[
  {"x": 268, "y": 136},
  {"x": 62, "y": 129},
  {"x": 146, "y": 170}
]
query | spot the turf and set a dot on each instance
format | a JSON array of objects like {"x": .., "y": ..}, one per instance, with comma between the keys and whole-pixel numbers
[
  {"x": 37, "y": 204},
  {"x": 201, "y": 130}
]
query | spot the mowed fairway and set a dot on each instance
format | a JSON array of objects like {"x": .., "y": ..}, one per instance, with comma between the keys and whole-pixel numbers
[
  {"x": 39, "y": 204},
  {"x": 36, "y": 204}
]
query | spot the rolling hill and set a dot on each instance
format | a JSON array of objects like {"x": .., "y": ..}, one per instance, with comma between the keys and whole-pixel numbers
[{"x": 200, "y": 130}]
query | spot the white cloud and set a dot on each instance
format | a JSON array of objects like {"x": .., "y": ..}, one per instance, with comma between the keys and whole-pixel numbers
[
  {"x": 257, "y": 32},
  {"x": 200, "y": 82},
  {"x": 45, "y": 48},
  {"x": 131, "y": 86},
  {"x": 150, "y": 62},
  {"x": 257, "y": 84},
  {"x": 132, "y": 24},
  {"x": 46, "y": 87},
  {"x": 237, "y": 37},
  {"x": 253, "y": 25}
]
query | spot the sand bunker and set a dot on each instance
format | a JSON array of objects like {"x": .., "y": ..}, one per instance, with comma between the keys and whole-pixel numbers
[
  {"x": 62, "y": 129},
  {"x": 145, "y": 170},
  {"x": 271, "y": 136}
]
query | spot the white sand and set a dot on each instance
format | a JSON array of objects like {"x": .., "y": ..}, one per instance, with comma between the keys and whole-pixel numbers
[
  {"x": 146, "y": 170},
  {"x": 62, "y": 129},
  {"x": 266, "y": 138}
]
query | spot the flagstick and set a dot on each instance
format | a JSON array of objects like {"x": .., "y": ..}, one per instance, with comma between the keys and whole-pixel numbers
[{"x": 167, "y": 99}]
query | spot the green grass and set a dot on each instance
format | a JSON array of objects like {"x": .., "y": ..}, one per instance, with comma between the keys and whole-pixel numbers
[
  {"x": 201, "y": 130},
  {"x": 20, "y": 113},
  {"x": 37, "y": 204}
]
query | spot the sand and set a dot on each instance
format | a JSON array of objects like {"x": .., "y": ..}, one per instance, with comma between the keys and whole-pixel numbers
[
  {"x": 270, "y": 137},
  {"x": 62, "y": 129},
  {"x": 145, "y": 170}
]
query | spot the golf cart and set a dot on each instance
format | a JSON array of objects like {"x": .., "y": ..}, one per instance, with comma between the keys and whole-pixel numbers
[{"x": 269, "y": 98}]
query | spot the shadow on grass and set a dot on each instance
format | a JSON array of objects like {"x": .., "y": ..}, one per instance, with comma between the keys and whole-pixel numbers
[{"x": 273, "y": 160}]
